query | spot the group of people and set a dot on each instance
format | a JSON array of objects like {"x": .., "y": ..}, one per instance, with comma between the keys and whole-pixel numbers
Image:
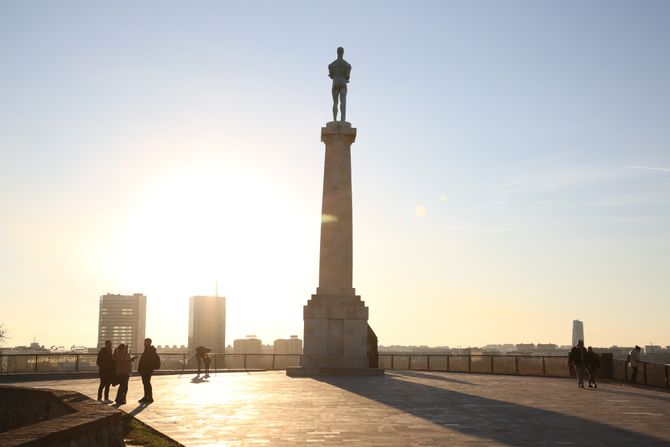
[
  {"x": 115, "y": 367},
  {"x": 584, "y": 359}
]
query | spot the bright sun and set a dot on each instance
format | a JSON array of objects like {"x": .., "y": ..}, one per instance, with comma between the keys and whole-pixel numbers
[{"x": 213, "y": 223}]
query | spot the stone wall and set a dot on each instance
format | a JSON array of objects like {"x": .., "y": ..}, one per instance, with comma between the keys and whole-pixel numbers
[
  {"x": 24, "y": 406},
  {"x": 45, "y": 417}
]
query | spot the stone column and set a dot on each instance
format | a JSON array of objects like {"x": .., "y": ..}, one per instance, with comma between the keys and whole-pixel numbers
[
  {"x": 336, "y": 260},
  {"x": 336, "y": 320}
]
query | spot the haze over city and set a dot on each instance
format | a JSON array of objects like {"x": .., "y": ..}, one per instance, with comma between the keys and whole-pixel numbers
[{"x": 511, "y": 171}]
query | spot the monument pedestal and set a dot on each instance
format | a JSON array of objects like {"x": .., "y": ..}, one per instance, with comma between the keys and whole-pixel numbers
[
  {"x": 335, "y": 340},
  {"x": 336, "y": 320}
]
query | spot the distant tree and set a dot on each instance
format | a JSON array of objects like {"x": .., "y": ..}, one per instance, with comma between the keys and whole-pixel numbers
[{"x": 3, "y": 334}]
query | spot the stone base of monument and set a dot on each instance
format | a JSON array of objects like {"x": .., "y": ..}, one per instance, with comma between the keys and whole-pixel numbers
[{"x": 336, "y": 332}]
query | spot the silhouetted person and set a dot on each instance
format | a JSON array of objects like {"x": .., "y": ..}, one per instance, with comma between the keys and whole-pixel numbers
[
  {"x": 123, "y": 362},
  {"x": 208, "y": 360},
  {"x": 578, "y": 355},
  {"x": 106, "y": 370},
  {"x": 592, "y": 365},
  {"x": 634, "y": 360},
  {"x": 148, "y": 363},
  {"x": 201, "y": 355}
]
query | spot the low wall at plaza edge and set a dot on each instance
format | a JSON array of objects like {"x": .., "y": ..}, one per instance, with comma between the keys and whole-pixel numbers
[{"x": 45, "y": 417}]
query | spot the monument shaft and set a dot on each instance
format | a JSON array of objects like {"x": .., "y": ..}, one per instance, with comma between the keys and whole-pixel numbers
[{"x": 336, "y": 257}]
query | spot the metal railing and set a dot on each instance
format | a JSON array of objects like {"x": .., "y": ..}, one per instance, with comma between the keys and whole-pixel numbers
[
  {"x": 553, "y": 366},
  {"x": 652, "y": 374},
  {"x": 50, "y": 363}
]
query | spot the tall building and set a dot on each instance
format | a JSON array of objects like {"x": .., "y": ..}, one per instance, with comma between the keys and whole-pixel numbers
[
  {"x": 207, "y": 322},
  {"x": 249, "y": 345},
  {"x": 122, "y": 319},
  {"x": 291, "y": 345},
  {"x": 577, "y": 331},
  {"x": 652, "y": 349}
]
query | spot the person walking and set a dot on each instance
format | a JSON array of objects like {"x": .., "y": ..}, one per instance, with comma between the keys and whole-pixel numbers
[
  {"x": 202, "y": 356},
  {"x": 634, "y": 360},
  {"x": 149, "y": 361},
  {"x": 578, "y": 357},
  {"x": 592, "y": 364},
  {"x": 123, "y": 362},
  {"x": 106, "y": 370}
]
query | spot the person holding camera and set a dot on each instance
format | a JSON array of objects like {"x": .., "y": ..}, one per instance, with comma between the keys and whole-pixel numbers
[{"x": 123, "y": 362}]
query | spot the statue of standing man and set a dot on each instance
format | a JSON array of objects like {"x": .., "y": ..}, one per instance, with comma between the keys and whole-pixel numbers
[{"x": 339, "y": 71}]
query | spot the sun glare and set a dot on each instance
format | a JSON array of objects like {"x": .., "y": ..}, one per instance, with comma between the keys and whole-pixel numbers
[{"x": 204, "y": 225}]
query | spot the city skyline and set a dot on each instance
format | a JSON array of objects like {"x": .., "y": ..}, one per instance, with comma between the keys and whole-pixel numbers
[{"x": 511, "y": 169}]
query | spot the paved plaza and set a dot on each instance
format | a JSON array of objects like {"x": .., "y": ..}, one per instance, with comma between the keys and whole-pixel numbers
[{"x": 403, "y": 408}]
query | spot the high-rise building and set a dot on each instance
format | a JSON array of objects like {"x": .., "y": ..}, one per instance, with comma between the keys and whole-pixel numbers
[
  {"x": 652, "y": 349},
  {"x": 577, "y": 331},
  {"x": 291, "y": 345},
  {"x": 207, "y": 323},
  {"x": 122, "y": 319},
  {"x": 249, "y": 345}
]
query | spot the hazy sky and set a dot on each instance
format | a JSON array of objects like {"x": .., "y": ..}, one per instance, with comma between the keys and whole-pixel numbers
[{"x": 511, "y": 171}]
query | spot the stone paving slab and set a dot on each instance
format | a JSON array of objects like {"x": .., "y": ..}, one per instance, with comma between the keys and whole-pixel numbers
[{"x": 403, "y": 408}]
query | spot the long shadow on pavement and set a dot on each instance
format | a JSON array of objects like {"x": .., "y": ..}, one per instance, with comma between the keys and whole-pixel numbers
[
  {"x": 634, "y": 394},
  {"x": 504, "y": 422},
  {"x": 431, "y": 376}
]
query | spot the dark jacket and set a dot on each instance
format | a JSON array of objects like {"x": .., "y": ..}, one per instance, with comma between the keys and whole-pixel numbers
[
  {"x": 592, "y": 361},
  {"x": 201, "y": 351},
  {"x": 576, "y": 357},
  {"x": 106, "y": 365},
  {"x": 149, "y": 361}
]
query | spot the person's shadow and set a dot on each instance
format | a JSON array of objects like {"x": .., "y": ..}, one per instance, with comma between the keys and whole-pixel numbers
[
  {"x": 198, "y": 379},
  {"x": 140, "y": 408}
]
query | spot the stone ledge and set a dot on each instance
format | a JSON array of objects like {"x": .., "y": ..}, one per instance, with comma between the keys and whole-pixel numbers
[
  {"x": 87, "y": 424},
  {"x": 338, "y": 129}
]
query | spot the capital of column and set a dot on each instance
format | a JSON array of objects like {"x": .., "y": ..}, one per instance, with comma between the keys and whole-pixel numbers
[{"x": 338, "y": 131}]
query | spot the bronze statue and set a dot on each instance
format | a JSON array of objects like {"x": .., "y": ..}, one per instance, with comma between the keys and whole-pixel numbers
[{"x": 339, "y": 71}]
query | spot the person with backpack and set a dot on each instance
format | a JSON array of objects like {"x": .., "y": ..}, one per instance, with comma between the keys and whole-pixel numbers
[{"x": 149, "y": 361}]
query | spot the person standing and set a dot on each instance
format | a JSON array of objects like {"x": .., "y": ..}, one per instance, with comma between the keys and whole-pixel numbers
[
  {"x": 123, "y": 362},
  {"x": 208, "y": 360},
  {"x": 634, "y": 360},
  {"x": 578, "y": 355},
  {"x": 201, "y": 355},
  {"x": 149, "y": 361},
  {"x": 592, "y": 364},
  {"x": 106, "y": 370}
]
